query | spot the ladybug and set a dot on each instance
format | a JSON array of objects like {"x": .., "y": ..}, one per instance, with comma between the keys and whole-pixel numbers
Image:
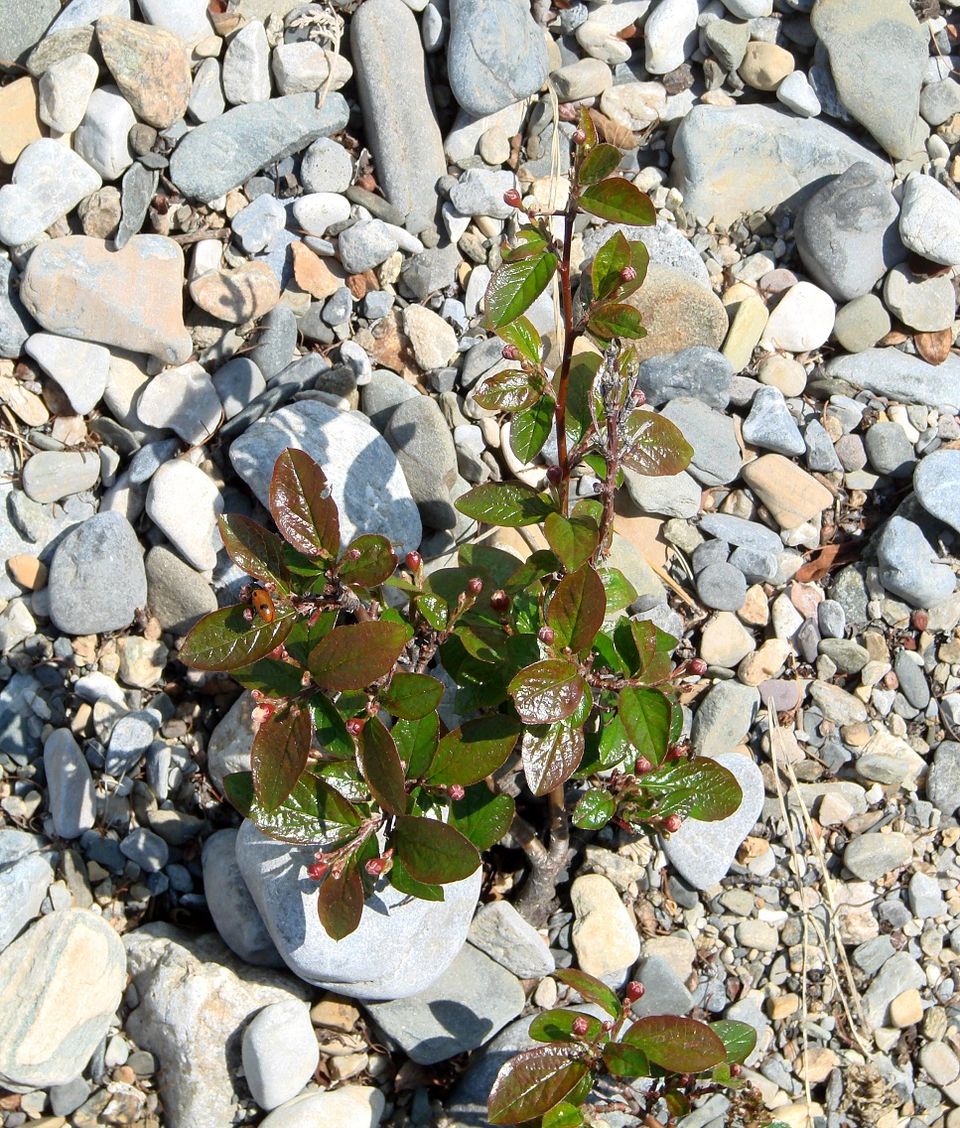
[{"x": 263, "y": 605}]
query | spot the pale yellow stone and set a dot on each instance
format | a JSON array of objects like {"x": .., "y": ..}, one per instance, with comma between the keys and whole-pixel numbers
[
  {"x": 432, "y": 339},
  {"x": 724, "y": 640},
  {"x": 28, "y": 407},
  {"x": 746, "y": 329},
  {"x": 906, "y": 1009},
  {"x": 765, "y": 65},
  {"x": 766, "y": 663},
  {"x": 19, "y": 118},
  {"x": 782, "y": 1006},
  {"x": 791, "y": 495},
  {"x": 816, "y": 1064},
  {"x": 783, "y": 373},
  {"x": 755, "y": 611},
  {"x": 335, "y": 1014},
  {"x": 604, "y": 934}
]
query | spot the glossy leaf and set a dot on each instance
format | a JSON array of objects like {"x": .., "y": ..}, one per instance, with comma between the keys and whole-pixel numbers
[
  {"x": 645, "y": 715},
  {"x": 654, "y": 446},
  {"x": 594, "y": 810},
  {"x": 625, "y": 1061},
  {"x": 550, "y": 755},
  {"x": 739, "y": 1039},
  {"x": 416, "y": 742},
  {"x": 516, "y": 286},
  {"x": 412, "y": 695},
  {"x": 583, "y": 371},
  {"x": 512, "y": 390},
  {"x": 619, "y": 591},
  {"x": 591, "y": 990},
  {"x": 616, "y": 320},
  {"x": 681, "y": 1045},
  {"x": 376, "y": 563},
  {"x": 279, "y": 754},
  {"x": 224, "y": 640},
  {"x": 313, "y": 812},
  {"x": 354, "y": 656},
  {"x": 340, "y": 901},
  {"x": 380, "y": 766},
  {"x": 618, "y": 201},
  {"x": 547, "y": 691},
  {"x": 577, "y": 609},
  {"x": 332, "y": 735},
  {"x": 524, "y": 338},
  {"x": 608, "y": 263},
  {"x": 573, "y": 539},
  {"x": 563, "y": 1115},
  {"x": 588, "y": 128},
  {"x": 481, "y": 816},
  {"x": 271, "y": 677},
  {"x": 557, "y": 1026},
  {"x": 640, "y": 261},
  {"x": 513, "y": 504},
  {"x": 530, "y": 241},
  {"x": 530, "y": 429},
  {"x": 432, "y": 851},
  {"x": 532, "y": 1082},
  {"x": 599, "y": 163},
  {"x": 614, "y": 742},
  {"x": 302, "y": 507},
  {"x": 433, "y": 609},
  {"x": 473, "y": 750},
  {"x": 697, "y": 789},
  {"x": 254, "y": 549},
  {"x": 306, "y": 634},
  {"x": 401, "y": 880}
]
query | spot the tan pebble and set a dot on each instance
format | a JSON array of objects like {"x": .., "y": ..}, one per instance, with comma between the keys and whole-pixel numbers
[
  {"x": 347, "y": 1065},
  {"x": 151, "y": 67},
  {"x": 816, "y": 1065},
  {"x": 239, "y": 295},
  {"x": 766, "y": 663},
  {"x": 906, "y": 1009},
  {"x": 125, "y": 1074},
  {"x": 791, "y": 495},
  {"x": 19, "y": 118},
  {"x": 316, "y": 275},
  {"x": 755, "y": 611},
  {"x": 782, "y": 1006},
  {"x": 28, "y": 572},
  {"x": 765, "y": 65},
  {"x": 334, "y": 1014},
  {"x": 856, "y": 735},
  {"x": 784, "y": 373},
  {"x": 806, "y": 598},
  {"x": 28, "y": 407},
  {"x": 746, "y": 329}
]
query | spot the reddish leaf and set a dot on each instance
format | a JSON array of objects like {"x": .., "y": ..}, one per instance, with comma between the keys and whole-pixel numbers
[
  {"x": 611, "y": 320},
  {"x": 573, "y": 540},
  {"x": 524, "y": 337},
  {"x": 608, "y": 263},
  {"x": 254, "y": 549},
  {"x": 591, "y": 990},
  {"x": 577, "y": 609},
  {"x": 224, "y": 640},
  {"x": 654, "y": 446},
  {"x": 510, "y": 391},
  {"x": 302, "y": 507},
  {"x": 599, "y": 163},
  {"x": 473, "y": 751},
  {"x": 375, "y": 565},
  {"x": 432, "y": 851},
  {"x": 340, "y": 903},
  {"x": 934, "y": 347},
  {"x": 532, "y": 1082},
  {"x": 550, "y": 755},
  {"x": 380, "y": 766},
  {"x": 412, "y": 696},
  {"x": 547, "y": 691},
  {"x": 645, "y": 715},
  {"x": 618, "y": 201},
  {"x": 516, "y": 286},
  {"x": 681, "y": 1045},
  {"x": 355, "y": 656},
  {"x": 279, "y": 754}
]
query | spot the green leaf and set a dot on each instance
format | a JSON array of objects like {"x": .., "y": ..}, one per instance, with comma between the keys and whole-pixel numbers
[
  {"x": 654, "y": 446},
  {"x": 530, "y": 241},
  {"x": 618, "y": 201},
  {"x": 401, "y": 880},
  {"x": 516, "y": 286},
  {"x": 612, "y": 319},
  {"x": 375, "y": 564},
  {"x": 332, "y": 735},
  {"x": 547, "y": 691},
  {"x": 678, "y": 1044},
  {"x": 739, "y": 1038},
  {"x": 432, "y": 851},
  {"x": 432, "y": 608},
  {"x": 340, "y": 902},
  {"x": 524, "y": 338},
  {"x": 550, "y": 755},
  {"x": 577, "y": 609},
  {"x": 513, "y": 504},
  {"x": 563, "y": 1115},
  {"x": 573, "y": 539},
  {"x": 271, "y": 677},
  {"x": 412, "y": 695},
  {"x": 530, "y": 429},
  {"x": 302, "y": 507},
  {"x": 224, "y": 640},
  {"x": 510, "y": 391},
  {"x": 472, "y": 751},
  {"x": 481, "y": 816},
  {"x": 619, "y": 591},
  {"x": 594, "y": 810},
  {"x": 599, "y": 163},
  {"x": 313, "y": 813},
  {"x": 279, "y": 754},
  {"x": 380, "y": 766},
  {"x": 557, "y": 1026},
  {"x": 583, "y": 371},
  {"x": 614, "y": 742},
  {"x": 533, "y": 1082},
  {"x": 354, "y": 656},
  {"x": 608, "y": 263},
  {"x": 645, "y": 714},
  {"x": 416, "y": 742},
  {"x": 625, "y": 1061},
  {"x": 698, "y": 789},
  {"x": 640, "y": 261},
  {"x": 591, "y": 990},
  {"x": 482, "y": 560},
  {"x": 254, "y": 549},
  {"x": 306, "y": 634}
]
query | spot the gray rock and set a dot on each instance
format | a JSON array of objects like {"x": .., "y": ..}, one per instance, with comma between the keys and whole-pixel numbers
[
  {"x": 883, "y": 94},
  {"x": 943, "y": 779},
  {"x": 431, "y": 270},
  {"x": 728, "y": 41},
  {"x": 930, "y": 219},
  {"x": 723, "y": 718},
  {"x": 383, "y": 394},
  {"x": 909, "y": 566},
  {"x": 937, "y": 482},
  {"x": 716, "y": 453},
  {"x": 79, "y": 12},
  {"x": 51, "y": 475},
  {"x": 939, "y": 101},
  {"x": 147, "y": 849},
  {"x": 237, "y": 383},
  {"x": 48, "y": 181},
  {"x": 906, "y": 379},
  {"x": 136, "y": 194},
  {"x": 770, "y": 425},
  {"x": 21, "y": 28},
  {"x": 397, "y": 105},
  {"x": 703, "y": 852},
  {"x": 821, "y": 455},
  {"x": 901, "y": 972},
  {"x": 496, "y": 54},
  {"x": 740, "y": 532},
  {"x": 258, "y": 224},
  {"x": 129, "y": 740},
  {"x": 102, "y": 138},
  {"x": 176, "y": 594},
  {"x": 70, "y": 790},
  {"x": 26, "y": 870},
  {"x": 836, "y": 704},
  {"x": 697, "y": 373},
  {"x": 847, "y": 655},
  {"x": 66, "y": 1099},
  {"x": 502, "y": 933},
  {"x": 870, "y": 856},
  {"x": 672, "y": 495},
  {"x": 230, "y": 742},
  {"x": 473, "y": 999},
  {"x": 276, "y": 341},
  {"x": 480, "y": 191},
  {"x": 889, "y": 450},
  {"x": 401, "y": 946},
  {"x": 15, "y": 323},
  {"x": 861, "y": 323},
  {"x": 97, "y": 579},
  {"x": 665, "y": 991},
  {"x": 925, "y": 304},
  {"x": 757, "y": 567},
  {"x": 79, "y": 368},
  {"x": 418, "y": 433},
  {"x": 365, "y": 478},
  {"x": 185, "y": 503},
  {"x": 279, "y": 1052},
  {"x": 365, "y": 245},
  {"x": 246, "y": 65},
  {"x": 233, "y": 910},
  {"x": 183, "y": 400},
  {"x": 847, "y": 232},
  {"x": 666, "y": 245},
  {"x": 722, "y": 587},
  {"x": 926, "y": 900},
  {"x": 194, "y": 1000},
  {"x": 789, "y": 157},
  {"x": 223, "y": 153},
  {"x": 913, "y": 683},
  {"x": 326, "y": 167},
  {"x": 206, "y": 97},
  {"x": 831, "y": 618},
  {"x": 51, "y": 1022}
]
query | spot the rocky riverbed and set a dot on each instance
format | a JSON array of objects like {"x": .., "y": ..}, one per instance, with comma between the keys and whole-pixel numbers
[{"x": 229, "y": 227}]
